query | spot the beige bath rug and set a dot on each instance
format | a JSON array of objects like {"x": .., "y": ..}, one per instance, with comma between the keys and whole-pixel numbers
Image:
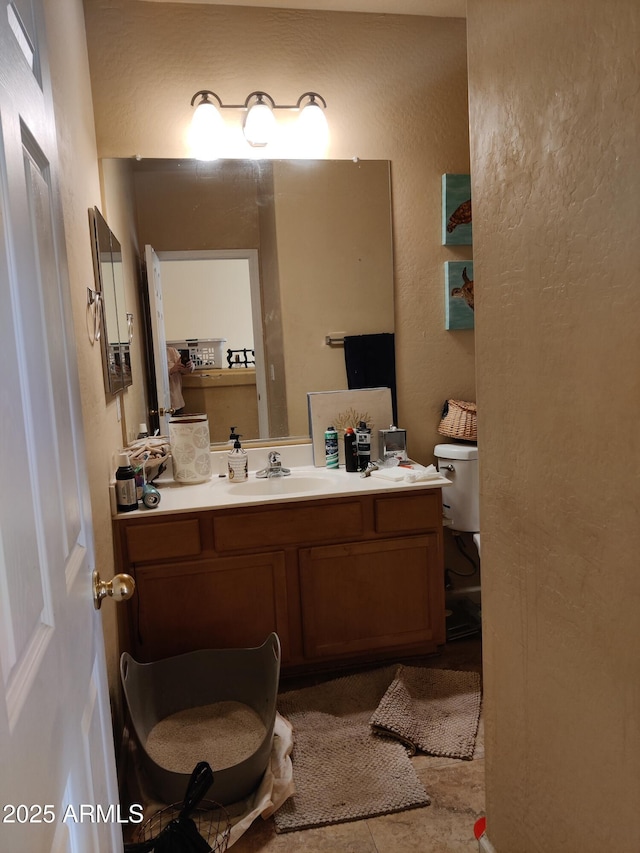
[
  {"x": 435, "y": 711},
  {"x": 341, "y": 770}
]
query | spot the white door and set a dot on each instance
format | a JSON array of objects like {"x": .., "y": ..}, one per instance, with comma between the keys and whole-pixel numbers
[
  {"x": 56, "y": 746},
  {"x": 159, "y": 339},
  {"x": 154, "y": 263}
]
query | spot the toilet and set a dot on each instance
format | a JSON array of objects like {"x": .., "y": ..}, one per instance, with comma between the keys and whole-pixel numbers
[{"x": 460, "y": 501}]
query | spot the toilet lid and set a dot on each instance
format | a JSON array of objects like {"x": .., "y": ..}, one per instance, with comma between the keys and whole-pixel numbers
[{"x": 456, "y": 451}]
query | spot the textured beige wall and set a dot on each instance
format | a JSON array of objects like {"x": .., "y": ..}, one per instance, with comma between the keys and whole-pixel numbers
[
  {"x": 555, "y": 123},
  {"x": 80, "y": 189},
  {"x": 335, "y": 270},
  {"x": 118, "y": 207},
  {"x": 397, "y": 90}
]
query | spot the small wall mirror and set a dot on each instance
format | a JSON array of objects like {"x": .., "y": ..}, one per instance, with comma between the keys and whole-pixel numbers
[{"x": 114, "y": 324}]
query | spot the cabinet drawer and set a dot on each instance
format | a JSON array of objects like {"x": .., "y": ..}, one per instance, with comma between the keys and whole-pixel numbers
[
  {"x": 291, "y": 525},
  {"x": 163, "y": 540},
  {"x": 409, "y": 513}
]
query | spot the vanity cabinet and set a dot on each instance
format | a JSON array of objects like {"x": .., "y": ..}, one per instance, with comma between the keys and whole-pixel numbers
[
  {"x": 339, "y": 579},
  {"x": 367, "y": 596},
  {"x": 229, "y": 602}
]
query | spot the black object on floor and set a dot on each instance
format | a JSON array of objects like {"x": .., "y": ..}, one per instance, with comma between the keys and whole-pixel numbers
[
  {"x": 463, "y": 619},
  {"x": 181, "y": 834}
]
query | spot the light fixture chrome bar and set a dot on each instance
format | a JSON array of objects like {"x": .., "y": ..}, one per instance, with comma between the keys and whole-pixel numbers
[{"x": 313, "y": 97}]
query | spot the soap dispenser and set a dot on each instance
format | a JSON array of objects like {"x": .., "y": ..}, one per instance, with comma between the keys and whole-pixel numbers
[
  {"x": 238, "y": 462},
  {"x": 223, "y": 469}
]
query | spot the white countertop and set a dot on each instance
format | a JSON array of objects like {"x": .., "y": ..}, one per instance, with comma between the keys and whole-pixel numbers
[{"x": 306, "y": 482}]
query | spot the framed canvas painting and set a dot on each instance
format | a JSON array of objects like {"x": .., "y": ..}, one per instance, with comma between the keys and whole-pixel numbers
[
  {"x": 342, "y": 409},
  {"x": 458, "y": 295},
  {"x": 456, "y": 210}
]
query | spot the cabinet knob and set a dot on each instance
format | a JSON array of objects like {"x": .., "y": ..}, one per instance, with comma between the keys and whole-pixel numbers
[{"x": 121, "y": 587}]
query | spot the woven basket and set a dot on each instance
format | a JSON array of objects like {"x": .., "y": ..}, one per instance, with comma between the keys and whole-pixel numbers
[{"x": 459, "y": 420}]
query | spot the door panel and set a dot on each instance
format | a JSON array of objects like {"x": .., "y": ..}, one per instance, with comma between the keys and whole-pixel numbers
[
  {"x": 55, "y": 730},
  {"x": 362, "y": 596}
]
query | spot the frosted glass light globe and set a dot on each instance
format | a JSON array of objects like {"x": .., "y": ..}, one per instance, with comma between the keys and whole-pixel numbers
[
  {"x": 312, "y": 130},
  {"x": 259, "y": 124},
  {"x": 207, "y": 128}
]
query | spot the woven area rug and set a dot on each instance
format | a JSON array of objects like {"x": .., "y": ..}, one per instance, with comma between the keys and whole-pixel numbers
[
  {"x": 431, "y": 710},
  {"x": 342, "y": 769}
]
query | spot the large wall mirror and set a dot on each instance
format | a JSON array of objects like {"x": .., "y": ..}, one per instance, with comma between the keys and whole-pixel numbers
[
  {"x": 114, "y": 323},
  {"x": 320, "y": 236}
]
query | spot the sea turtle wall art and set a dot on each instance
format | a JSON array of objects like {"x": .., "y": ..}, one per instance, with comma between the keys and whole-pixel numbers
[
  {"x": 458, "y": 294},
  {"x": 456, "y": 210}
]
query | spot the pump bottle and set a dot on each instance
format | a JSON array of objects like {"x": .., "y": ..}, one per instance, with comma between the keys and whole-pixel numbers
[
  {"x": 238, "y": 462},
  {"x": 126, "y": 497}
]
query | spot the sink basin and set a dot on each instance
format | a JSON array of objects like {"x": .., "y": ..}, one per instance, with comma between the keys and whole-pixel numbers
[{"x": 281, "y": 485}]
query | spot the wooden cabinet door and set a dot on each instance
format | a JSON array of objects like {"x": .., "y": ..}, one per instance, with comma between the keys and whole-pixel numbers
[
  {"x": 231, "y": 602},
  {"x": 362, "y": 597}
]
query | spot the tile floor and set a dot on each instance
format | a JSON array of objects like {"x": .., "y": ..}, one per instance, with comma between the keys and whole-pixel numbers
[{"x": 456, "y": 789}]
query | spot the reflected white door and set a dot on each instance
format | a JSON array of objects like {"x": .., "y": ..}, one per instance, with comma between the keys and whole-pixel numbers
[
  {"x": 156, "y": 310},
  {"x": 154, "y": 264},
  {"x": 56, "y": 745}
]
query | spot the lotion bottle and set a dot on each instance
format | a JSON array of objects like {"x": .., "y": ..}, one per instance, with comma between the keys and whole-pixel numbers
[
  {"x": 126, "y": 497},
  {"x": 238, "y": 463}
]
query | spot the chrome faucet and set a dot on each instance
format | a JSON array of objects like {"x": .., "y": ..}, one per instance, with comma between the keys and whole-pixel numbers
[{"x": 274, "y": 468}]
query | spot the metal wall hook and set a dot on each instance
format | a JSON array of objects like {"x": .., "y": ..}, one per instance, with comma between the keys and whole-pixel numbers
[{"x": 94, "y": 301}]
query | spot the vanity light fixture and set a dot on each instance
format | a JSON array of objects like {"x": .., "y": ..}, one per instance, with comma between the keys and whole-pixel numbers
[{"x": 259, "y": 124}]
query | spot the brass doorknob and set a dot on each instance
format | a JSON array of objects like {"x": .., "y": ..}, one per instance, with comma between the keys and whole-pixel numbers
[{"x": 120, "y": 588}]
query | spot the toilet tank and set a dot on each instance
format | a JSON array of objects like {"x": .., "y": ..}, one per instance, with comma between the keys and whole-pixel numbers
[{"x": 460, "y": 501}]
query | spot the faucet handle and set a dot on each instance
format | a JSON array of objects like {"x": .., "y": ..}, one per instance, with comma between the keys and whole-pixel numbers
[{"x": 274, "y": 457}]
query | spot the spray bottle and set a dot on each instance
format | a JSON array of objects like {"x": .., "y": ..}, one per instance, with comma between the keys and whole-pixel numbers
[
  {"x": 331, "y": 447},
  {"x": 350, "y": 450}
]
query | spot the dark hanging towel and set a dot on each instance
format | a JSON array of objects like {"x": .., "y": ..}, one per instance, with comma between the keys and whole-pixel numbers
[{"x": 371, "y": 363}]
